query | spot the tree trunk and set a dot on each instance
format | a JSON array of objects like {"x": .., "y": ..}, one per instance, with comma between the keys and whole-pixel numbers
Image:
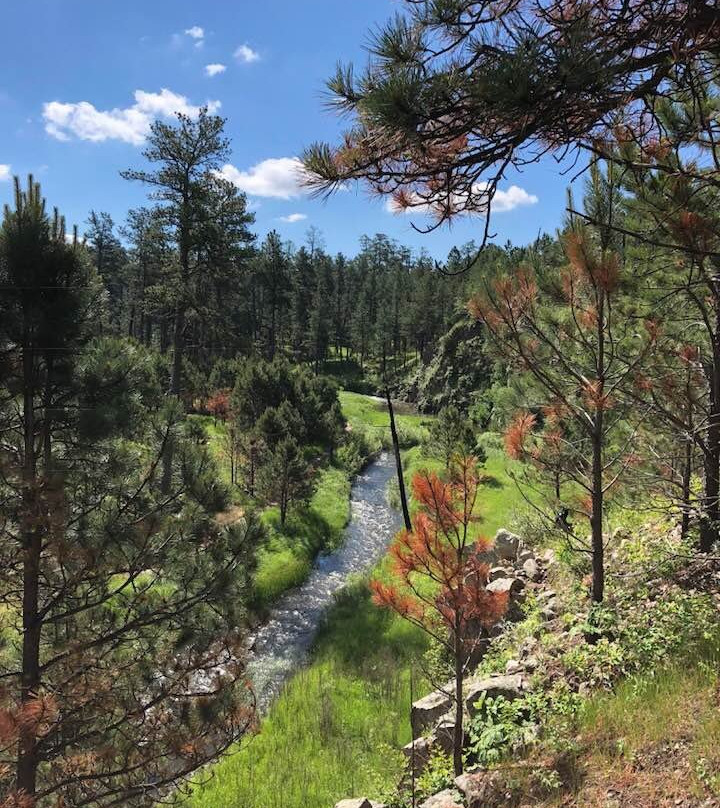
[
  {"x": 711, "y": 507},
  {"x": 398, "y": 462},
  {"x": 458, "y": 732},
  {"x": 596, "y": 520},
  {"x": 686, "y": 489},
  {"x": 28, "y": 757},
  {"x": 175, "y": 387}
]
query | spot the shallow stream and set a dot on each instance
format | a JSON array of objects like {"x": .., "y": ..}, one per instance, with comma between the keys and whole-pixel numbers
[{"x": 283, "y": 643}]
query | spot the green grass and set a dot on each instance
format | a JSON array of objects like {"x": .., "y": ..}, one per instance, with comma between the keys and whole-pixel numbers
[
  {"x": 339, "y": 726},
  {"x": 671, "y": 706},
  {"x": 337, "y": 729},
  {"x": 287, "y": 556},
  {"x": 498, "y": 503},
  {"x": 368, "y": 413},
  {"x": 286, "y": 559}
]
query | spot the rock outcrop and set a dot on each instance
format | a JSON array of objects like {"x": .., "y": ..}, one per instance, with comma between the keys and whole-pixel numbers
[
  {"x": 510, "y": 687},
  {"x": 445, "y": 799},
  {"x": 427, "y": 710},
  {"x": 482, "y": 790}
]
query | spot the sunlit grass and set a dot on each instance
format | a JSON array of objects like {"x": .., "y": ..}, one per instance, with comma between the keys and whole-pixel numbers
[
  {"x": 339, "y": 726},
  {"x": 372, "y": 413},
  {"x": 286, "y": 559}
]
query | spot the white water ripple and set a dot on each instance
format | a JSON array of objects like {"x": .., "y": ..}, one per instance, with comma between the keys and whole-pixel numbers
[{"x": 282, "y": 644}]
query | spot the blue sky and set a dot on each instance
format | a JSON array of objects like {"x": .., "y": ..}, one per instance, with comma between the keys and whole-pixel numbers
[{"x": 82, "y": 80}]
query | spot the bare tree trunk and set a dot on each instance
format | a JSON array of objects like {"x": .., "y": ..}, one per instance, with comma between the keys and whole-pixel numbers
[
  {"x": 28, "y": 757},
  {"x": 398, "y": 462},
  {"x": 458, "y": 732},
  {"x": 596, "y": 520}
]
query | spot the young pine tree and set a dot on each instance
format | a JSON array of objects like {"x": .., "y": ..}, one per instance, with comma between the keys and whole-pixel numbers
[{"x": 439, "y": 577}]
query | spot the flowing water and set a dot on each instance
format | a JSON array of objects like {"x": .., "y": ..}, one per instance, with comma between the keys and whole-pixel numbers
[{"x": 283, "y": 643}]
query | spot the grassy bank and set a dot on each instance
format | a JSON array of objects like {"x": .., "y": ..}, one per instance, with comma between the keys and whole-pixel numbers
[
  {"x": 339, "y": 725},
  {"x": 337, "y": 729},
  {"x": 287, "y": 557},
  {"x": 371, "y": 414}
]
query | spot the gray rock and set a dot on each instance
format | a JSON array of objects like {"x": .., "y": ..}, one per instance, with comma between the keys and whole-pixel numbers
[
  {"x": 481, "y": 790},
  {"x": 418, "y": 753},
  {"x": 531, "y": 663},
  {"x": 524, "y": 555},
  {"x": 546, "y": 595},
  {"x": 497, "y": 572},
  {"x": 528, "y": 647},
  {"x": 509, "y": 686},
  {"x": 445, "y": 799},
  {"x": 531, "y": 569},
  {"x": 513, "y": 666},
  {"x": 427, "y": 710},
  {"x": 506, "y": 544},
  {"x": 444, "y": 733},
  {"x": 549, "y": 557},
  {"x": 359, "y": 802},
  {"x": 513, "y": 586}
]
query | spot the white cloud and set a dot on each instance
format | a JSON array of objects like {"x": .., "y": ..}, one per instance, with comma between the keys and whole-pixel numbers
[
  {"x": 279, "y": 177},
  {"x": 293, "y": 218},
  {"x": 514, "y": 197},
  {"x": 246, "y": 54},
  {"x": 129, "y": 124},
  {"x": 503, "y": 201},
  {"x": 214, "y": 69},
  {"x": 5, "y": 172},
  {"x": 196, "y": 32}
]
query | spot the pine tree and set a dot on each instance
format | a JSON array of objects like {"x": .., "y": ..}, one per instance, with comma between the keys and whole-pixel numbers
[
  {"x": 124, "y": 599},
  {"x": 439, "y": 577}
]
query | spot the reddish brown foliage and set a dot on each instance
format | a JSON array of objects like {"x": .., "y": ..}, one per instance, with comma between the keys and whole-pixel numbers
[
  {"x": 440, "y": 550},
  {"x": 218, "y": 405},
  {"x": 516, "y": 434}
]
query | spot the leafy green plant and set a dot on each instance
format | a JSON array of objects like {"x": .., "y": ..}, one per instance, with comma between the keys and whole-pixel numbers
[
  {"x": 499, "y": 725},
  {"x": 437, "y": 775}
]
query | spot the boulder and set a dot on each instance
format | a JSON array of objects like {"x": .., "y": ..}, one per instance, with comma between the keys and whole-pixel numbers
[
  {"x": 513, "y": 666},
  {"x": 359, "y": 802},
  {"x": 513, "y": 586},
  {"x": 531, "y": 570},
  {"x": 445, "y": 799},
  {"x": 444, "y": 733},
  {"x": 524, "y": 554},
  {"x": 506, "y": 544},
  {"x": 497, "y": 572},
  {"x": 528, "y": 647},
  {"x": 482, "y": 790},
  {"x": 509, "y": 686},
  {"x": 418, "y": 753},
  {"x": 427, "y": 710},
  {"x": 531, "y": 663},
  {"x": 546, "y": 595}
]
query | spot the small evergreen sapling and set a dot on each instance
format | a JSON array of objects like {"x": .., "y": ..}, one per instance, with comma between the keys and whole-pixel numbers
[{"x": 438, "y": 578}]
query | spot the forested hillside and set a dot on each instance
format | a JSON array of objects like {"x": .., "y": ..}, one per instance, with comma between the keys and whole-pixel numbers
[{"x": 282, "y": 528}]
